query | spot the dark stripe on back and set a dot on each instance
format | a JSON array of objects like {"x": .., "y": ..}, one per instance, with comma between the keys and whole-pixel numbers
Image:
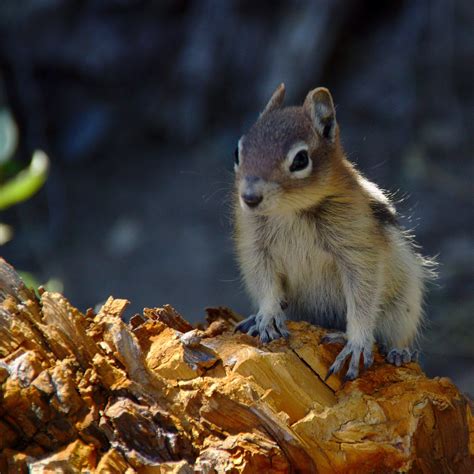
[{"x": 383, "y": 213}]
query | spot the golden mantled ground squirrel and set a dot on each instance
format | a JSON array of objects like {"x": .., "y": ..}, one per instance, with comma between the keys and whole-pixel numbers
[{"x": 318, "y": 242}]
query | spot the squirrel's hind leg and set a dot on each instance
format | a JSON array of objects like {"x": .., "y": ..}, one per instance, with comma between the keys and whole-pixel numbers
[
  {"x": 397, "y": 330},
  {"x": 399, "y": 357}
]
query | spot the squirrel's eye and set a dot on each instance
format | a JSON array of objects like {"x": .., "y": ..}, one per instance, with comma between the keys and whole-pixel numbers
[
  {"x": 236, "y": 156},
  {"x": 300, "y": 161}
]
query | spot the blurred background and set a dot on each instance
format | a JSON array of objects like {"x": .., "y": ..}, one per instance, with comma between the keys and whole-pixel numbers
[{"x": 139, "y": 104}]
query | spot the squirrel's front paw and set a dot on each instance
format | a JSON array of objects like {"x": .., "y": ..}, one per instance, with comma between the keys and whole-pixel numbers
[
  {"x": 354, "y": 351},
  {"x": 267, "y": 327}
]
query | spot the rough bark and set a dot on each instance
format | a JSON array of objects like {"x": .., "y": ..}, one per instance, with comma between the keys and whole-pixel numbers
[{"x": 88, "y": 392}]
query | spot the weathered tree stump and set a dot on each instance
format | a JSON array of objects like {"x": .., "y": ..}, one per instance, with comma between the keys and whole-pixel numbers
[{"x": 90, "y": 393}]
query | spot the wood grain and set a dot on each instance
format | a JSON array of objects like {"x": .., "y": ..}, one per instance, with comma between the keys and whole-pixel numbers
[{"x": 91, "y": 393}]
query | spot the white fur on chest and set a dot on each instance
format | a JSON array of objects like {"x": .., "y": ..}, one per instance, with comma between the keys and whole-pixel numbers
[{"x": 312, "y": 283}]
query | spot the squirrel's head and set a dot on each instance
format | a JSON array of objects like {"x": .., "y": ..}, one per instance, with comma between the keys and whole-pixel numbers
[{"x": 284, "y": 162}]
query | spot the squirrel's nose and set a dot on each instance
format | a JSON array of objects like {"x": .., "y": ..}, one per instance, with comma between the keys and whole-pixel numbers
[{"x": 252, "y": 200}]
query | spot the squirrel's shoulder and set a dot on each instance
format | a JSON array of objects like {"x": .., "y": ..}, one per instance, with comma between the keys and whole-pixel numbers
[{"x": 356, "y": 196}]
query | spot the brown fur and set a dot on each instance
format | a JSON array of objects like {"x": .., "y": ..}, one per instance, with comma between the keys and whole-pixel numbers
[{"x": 323, "y": 240}]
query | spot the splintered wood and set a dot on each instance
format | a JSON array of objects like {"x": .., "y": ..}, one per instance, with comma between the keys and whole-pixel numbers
[{"x": 90, "y": 393}]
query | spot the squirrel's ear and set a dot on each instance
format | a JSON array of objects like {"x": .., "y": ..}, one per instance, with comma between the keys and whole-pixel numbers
[
  {"x": 275, "y": 101},
  {"x": 320, "y": 107}
]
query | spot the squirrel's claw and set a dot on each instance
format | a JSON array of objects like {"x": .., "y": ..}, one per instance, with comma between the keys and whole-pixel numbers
[
  {"x": 245, "y": 325},
  {"x": 354, "y": 351},
  {"x": 267, "y": 327},
  {"x": 330, "y": 372},
  {"x": 399, "y": 357}
]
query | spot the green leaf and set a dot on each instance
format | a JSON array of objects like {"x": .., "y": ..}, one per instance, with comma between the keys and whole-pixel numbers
[{"x": 26, "y": 183}]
